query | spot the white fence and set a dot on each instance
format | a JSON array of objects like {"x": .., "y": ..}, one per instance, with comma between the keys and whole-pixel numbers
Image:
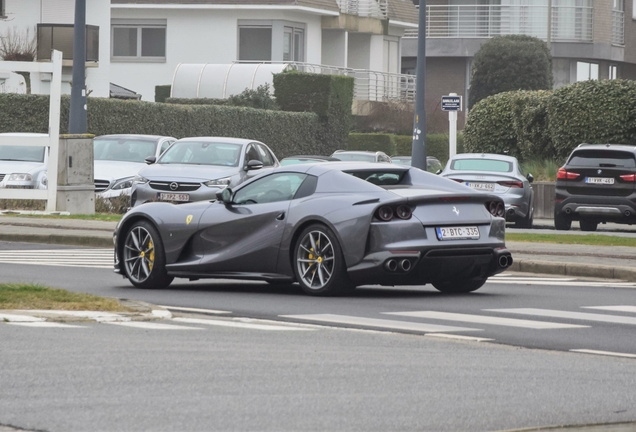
[{"x": 51, "y": 140}]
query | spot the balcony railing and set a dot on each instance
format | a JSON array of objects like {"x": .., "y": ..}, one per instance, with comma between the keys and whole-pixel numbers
[
  {"x": 618, "y": 27},
  {"x": 60, "y": 37},
  {"x": 569, "y": 23},
  {"x": 364, "y": 8}
]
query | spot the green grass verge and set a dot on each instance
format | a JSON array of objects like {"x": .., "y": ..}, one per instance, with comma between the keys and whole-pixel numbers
[
  {"x": 590, "y": 239},
  {"x": 33, "y": 296}
]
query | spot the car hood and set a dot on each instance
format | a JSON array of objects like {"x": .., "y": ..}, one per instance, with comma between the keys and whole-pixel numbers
[
  {"x": 114, "y": 170},
  {"x": 8, "y": 167},
  {"x": 183, "y": 172}
]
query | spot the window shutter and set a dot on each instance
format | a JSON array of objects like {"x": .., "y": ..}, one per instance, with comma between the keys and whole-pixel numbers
[{"x": 58, "y": 11}]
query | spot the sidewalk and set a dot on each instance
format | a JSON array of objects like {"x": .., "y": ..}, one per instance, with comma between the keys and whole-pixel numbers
[{"x": 608, "y": 262}]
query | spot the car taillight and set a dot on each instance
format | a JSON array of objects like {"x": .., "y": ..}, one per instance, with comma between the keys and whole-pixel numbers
[
  {"x": 629, "y": 177},
  {"x": 562, "y": 174},
  {"x": 511, "y": 184}
]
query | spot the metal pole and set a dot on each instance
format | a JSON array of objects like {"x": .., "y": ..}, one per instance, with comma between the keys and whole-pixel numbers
[
  {"x": 550, "y": 25},
  {"x": 77, "y": 115},
  {"x": 418, "y": 149}
]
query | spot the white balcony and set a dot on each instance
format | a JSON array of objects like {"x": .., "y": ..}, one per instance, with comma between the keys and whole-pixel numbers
[
  {"x": 569, "y": 23},
  {"x": 364, "y": 8}
]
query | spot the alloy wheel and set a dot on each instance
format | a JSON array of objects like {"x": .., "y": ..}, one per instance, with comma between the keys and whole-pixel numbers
[
  {"x": 139, "y": 254},
  {"x": 315, "y": 260}
]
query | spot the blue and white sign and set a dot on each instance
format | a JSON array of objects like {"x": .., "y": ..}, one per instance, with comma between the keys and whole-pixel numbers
[{"x": 451, "y": 103}]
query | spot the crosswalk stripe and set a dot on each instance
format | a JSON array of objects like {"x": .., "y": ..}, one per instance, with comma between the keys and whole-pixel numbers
[
  {"x": 564, "y": 283},
  {"x": 459, "y": 337},
  {"x": 187, "y": 309},
  {"x": 88, "y": 258},
  {"x": 631, "y": 309},
  {"x": 151, "y": 325},
  {"x": 613, "y": 319},
  {"x": 530, "y": 278},
  {"x": 483, "y": 319},
  {"x": 605, "y": 353},
  {"x": 238, "y": 324},
  {"x": 379, "y": 323},
  {"x": 44, "y": 324}
]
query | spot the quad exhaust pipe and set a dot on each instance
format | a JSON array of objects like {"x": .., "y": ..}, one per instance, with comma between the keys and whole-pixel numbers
[
  {"x": 405, "y": 265},
  {"x": 505, "y": 261},
  {"x": 391, "y": 265}
]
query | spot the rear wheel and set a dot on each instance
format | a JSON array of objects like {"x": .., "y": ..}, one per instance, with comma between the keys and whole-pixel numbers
[
  {"x": 562, "y": 222},
  {"x": 459, "y": 286},
  {"x": 319, "y": 264},
  {"x": 588, "y": 225},
  {"x": 527, "y": 221},
  {"x": 143, "y": 257}
]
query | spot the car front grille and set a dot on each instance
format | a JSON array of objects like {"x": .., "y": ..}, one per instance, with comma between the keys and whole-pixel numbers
[
  {"x": 101, "y": 185},
  {"x": 180, "y": 187}
]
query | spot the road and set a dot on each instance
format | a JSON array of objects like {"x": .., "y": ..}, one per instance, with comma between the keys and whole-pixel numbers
[{"x": 424, "y": 369}]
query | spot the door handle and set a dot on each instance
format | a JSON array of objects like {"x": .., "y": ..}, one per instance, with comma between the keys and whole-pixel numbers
[{"x": 281, "y": 216}]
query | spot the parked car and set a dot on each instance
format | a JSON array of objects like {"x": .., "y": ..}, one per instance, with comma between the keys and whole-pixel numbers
[
  {"x": 118, "y": 159},
  {"x": 23, "y": 167},
  {"x": 293, "y": 160},
  {"x": 365, "y": 223},
  {"x": 596, "y": 185},
  {"x": 433, "y": 164},
  {"x": 195, "y": 169},
  {"x": 496, "y": 174},
  {"x": 361, "y": 156}
]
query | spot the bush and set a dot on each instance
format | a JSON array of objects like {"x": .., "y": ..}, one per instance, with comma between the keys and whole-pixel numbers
[
  {"x": 162, "y": 92},
  {"x": 196, "y": 101},
  {"x": 259, "y": 98},
  {"x": 372, "y": 142},
  {"x": 530, "y": 113},
  {"x": 592, "y": 112},
  {"x": 508, "y": 63},
  {"x": 390, "y": 117},
  {"x": 490, "y": 126}
]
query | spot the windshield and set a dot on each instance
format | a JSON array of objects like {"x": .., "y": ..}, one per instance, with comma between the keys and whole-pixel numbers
[
  {"x": 355, "y": 157},
  {"x": 124, "y": 149},
  {"x": 22, "y": 153},
  {"x": 481, "y": 165},
  {"x": 202, "y": 153}
]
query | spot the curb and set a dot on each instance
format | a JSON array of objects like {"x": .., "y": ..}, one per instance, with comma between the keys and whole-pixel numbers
[
  {"x": 574, "y": 269},
  {"x": 59, "y": 239}
]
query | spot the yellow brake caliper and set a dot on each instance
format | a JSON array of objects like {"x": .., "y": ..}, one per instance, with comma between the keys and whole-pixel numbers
[{"x": 151, "y": 255}]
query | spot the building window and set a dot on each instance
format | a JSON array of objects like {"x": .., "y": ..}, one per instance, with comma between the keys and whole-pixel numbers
[
  {"x": 255, "y": 43},
  {"x": 2, "y": 14},
  {"x": 613, "y": 72},
  {"x": 586, "y": 71},
  {"x": 293, "y": 44},
  {"x": 138, "y": 41}
]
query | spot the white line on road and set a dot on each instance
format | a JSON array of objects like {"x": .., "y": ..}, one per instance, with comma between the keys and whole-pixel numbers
[
  {"x": 459, "y": 337},
  {"x": 379, "y": 323},
  {"x": 482, "y": 319},
  {"x": 238, "y": 324},
  {"x": 613, "y": 308},
  {"x": 152, "y": 326},
  {"x": 613, "y": 319},
  {"x": 187, "y": 309},
  {"x": 566, "y": 283},
  {"x": 605, "y": 353},
  {"x": 45, "y": 324},
  {"x": 19, "y": 318}
]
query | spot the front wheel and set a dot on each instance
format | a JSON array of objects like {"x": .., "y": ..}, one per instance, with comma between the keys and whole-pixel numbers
[
  {"x": 459, "y": 286},
  {"x": 319, "y": 264},
  {"x": 143, "y": 257}
]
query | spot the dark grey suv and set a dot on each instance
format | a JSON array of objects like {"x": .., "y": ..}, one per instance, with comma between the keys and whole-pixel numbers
[{"x": 597, "y": 184}]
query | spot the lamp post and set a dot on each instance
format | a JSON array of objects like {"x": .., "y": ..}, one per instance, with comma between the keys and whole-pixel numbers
[
  {"x": 418, "y": 148},
  {"x": 77, "y": 115}
]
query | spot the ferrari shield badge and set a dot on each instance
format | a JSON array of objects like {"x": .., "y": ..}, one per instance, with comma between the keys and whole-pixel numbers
[{"x": 188, "y": 219}]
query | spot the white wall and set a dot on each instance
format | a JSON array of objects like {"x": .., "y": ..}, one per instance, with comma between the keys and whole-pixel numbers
[
  {"x": 334, "y": 47},
  {"x": 200, "y": 36},
  {"x": 359, "y": 51}
]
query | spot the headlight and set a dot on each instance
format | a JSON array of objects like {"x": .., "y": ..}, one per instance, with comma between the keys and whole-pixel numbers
[
  {"x": 20, "y": 177},
  {"x": 125, "y": 183},
  {"x": 222, "y": 182},
  {"x": 139, "y": 180},
  {"x": 44, "y": 181}
]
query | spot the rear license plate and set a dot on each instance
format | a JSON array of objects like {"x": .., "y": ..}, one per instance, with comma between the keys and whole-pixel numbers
[
  {"x": 458, "y": 233},
  {"x": 481, "y": 186},
  {"x": 599, "y": 180},
  {"x": 173, "y": 197}
]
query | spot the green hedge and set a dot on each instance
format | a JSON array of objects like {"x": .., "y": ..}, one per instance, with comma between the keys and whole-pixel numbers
[
  {"x": 196, "y": 101},
  {"x": 394, "y": 145},
  {"x": 372, "y": 142},
  {"x": 530, "y": 114},
  {"x": 162, "y": 92}
]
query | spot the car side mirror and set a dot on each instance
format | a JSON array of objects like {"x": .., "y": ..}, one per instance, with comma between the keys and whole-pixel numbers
[
  {"x": 530, "y": 177},
  {"x": 438, "y": 172},
  {"x": 151, "y": 159},
  {"x": 254, "y": 165},
  {"x": 225, "y": 196}
]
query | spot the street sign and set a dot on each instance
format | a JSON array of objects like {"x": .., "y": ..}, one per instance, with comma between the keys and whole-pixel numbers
[{"x": 451, "y": 103}]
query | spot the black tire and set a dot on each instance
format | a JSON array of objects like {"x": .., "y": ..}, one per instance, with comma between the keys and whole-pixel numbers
[
  {"x": 562, "y": 222},
  {"x": 143, "y": 257},
  {"x": 459, "y": 286},
  {"x": 588, "y": 225},
  {"x": 324, "y": 273}
]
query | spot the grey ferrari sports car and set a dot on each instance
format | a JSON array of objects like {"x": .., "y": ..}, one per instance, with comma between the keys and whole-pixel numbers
[{"x": 329, "y": 227}]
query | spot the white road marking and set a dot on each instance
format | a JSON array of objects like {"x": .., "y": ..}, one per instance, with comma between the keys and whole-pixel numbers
[
  {"x": 161, "y": 313},
  {"x": 565, "y": 283},
  {"x": 483, "y": 319},
  {"x": 605, "y": 353},
  {"x": 238, "y": 324},
  {"x": 530, "y": 278},
  {"x": 19, "y": 318},
  {"x": 187, "y": 309},
  {"x": 613, "y": 319},
  {"x": 459, "y": 337},
  {"x": 151, "y": 325},
  {"x": 93, "y": 315},
  {"x": 45, "y": 324},
  {"x": 92, "y": 258},
  {"x": 379, "y": 323},
  {"x": 631, "y": 309}
]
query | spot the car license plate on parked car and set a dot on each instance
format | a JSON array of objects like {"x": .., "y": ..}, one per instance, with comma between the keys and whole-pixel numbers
[
  {"x": 599, "y": 180},
  {"x": 481, "y": 186},
  {"x": 457, "y": 233},
  {"x": 173, "y": 197}
]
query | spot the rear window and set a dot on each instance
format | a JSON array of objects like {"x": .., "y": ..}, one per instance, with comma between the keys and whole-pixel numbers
[
  {"x": 602, "y": 158},
  {"x": 380, "y": 178},
  {"x": 356, "y": 157},
  {"x": 481, "y": 165}
]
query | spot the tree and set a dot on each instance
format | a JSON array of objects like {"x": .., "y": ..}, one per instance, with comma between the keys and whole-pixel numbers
[
  {"x": 19, "y": 46},
  {"x": 507, "y": 63}
]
